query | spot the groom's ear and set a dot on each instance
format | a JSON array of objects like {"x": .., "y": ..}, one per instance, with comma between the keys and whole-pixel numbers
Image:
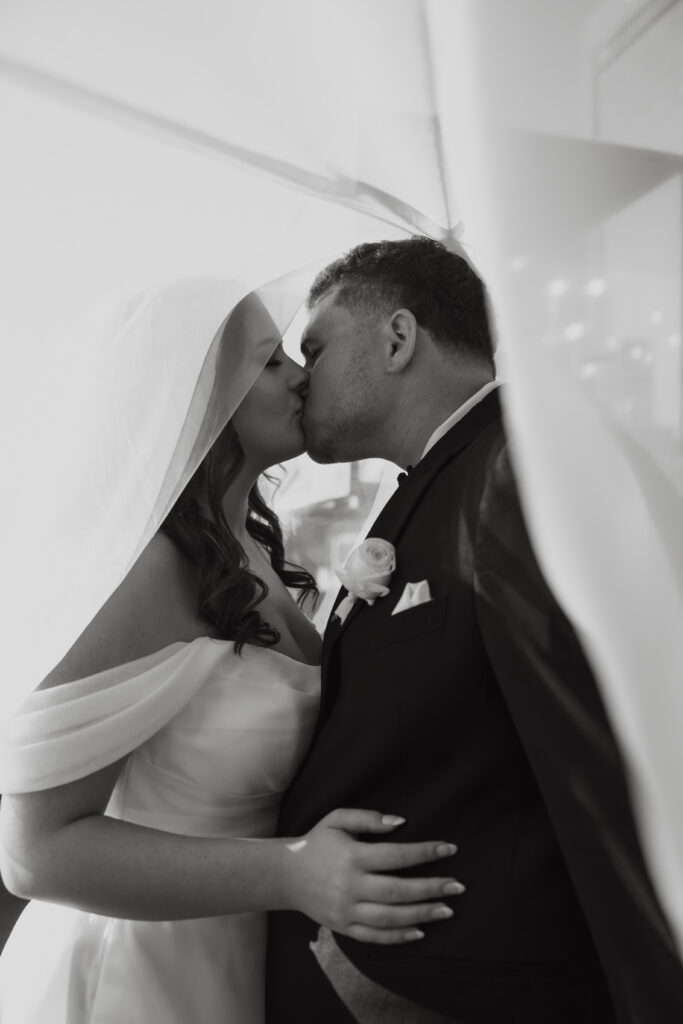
[{"x": 400, "y": 340}]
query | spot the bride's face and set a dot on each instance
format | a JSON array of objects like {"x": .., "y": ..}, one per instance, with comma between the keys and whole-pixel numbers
[{"x": 268, "y": 422}]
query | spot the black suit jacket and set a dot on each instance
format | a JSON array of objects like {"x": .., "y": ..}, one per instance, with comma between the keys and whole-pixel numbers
[{"x": 477, "y": 718}]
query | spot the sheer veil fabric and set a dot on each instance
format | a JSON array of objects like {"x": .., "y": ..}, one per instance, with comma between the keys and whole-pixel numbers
[
  {"x": 140, "y": 394},
  {"x": 288, "y": 132}
]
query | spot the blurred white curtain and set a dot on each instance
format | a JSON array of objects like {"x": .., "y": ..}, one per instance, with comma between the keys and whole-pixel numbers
[
  {"x": 151, "y": 139},
  {"x": 601, "y": 484},
  {"x": 144, "y": 142}
]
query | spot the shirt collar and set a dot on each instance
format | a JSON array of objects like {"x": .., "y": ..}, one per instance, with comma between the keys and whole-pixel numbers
[{"x": 459, "y": 414}]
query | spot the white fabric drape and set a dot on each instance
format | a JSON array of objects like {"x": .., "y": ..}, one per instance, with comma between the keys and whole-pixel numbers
[
  {"x": 106, "y": 442},
  {"x": 147, "y": 141},
  {"x": 604, "y": 518},
  {"x": 65, "y": 732}
]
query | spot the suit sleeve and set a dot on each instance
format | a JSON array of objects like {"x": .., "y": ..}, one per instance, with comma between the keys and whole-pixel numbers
[{"x": 555, "y": 703}]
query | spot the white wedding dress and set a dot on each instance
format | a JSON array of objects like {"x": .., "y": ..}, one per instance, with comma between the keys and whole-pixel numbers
[{"x": 214, "y": 738}]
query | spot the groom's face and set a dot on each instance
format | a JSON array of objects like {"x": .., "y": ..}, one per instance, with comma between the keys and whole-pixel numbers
[{"x": 345, "y": 392}]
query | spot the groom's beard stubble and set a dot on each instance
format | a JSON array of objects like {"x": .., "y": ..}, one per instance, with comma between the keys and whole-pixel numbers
[
  {"x": 326, "y": 446},
  {"x": 348, "y": 429},
  {"x": 317, "y": 449}
]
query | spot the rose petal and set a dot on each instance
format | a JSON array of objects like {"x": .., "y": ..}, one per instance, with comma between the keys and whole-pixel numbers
[{"x": 367, "y": 569}]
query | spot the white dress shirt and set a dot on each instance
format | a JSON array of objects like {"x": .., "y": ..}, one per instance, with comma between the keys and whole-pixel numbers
[{"x": 459, "y": 413}]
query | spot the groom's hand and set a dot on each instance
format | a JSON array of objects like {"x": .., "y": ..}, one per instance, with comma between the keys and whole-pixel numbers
[{"x": 341, "y": 882}]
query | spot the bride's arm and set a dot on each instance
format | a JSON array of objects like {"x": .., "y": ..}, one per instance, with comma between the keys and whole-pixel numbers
[{"x": 58, "y": 845}]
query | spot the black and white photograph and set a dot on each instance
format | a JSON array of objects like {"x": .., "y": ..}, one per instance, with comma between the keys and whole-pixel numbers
[{"x": 341, "y": 524}]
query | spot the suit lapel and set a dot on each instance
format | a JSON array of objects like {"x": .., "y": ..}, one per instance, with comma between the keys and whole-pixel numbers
[{"x": 395, "y": 515}]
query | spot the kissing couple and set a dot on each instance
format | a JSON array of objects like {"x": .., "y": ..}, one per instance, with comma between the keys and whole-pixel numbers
[{"x": 442, "y": 831}]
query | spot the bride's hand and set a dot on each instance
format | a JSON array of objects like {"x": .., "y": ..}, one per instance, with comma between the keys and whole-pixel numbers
[{"x": 339, "y": 881}]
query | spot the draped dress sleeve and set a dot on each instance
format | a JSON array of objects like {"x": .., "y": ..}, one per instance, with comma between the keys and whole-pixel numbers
[{"x": 64, "y": 733}]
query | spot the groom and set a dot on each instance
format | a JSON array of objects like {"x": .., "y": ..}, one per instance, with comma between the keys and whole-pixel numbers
[{"x": 472, "y": 712}]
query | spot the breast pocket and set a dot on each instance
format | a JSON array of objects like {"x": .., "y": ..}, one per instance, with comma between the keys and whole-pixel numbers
[{"x": 369, "y": 636}]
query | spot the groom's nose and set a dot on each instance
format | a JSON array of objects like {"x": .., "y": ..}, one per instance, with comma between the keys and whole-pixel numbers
[{"x": 302, "y": 387}]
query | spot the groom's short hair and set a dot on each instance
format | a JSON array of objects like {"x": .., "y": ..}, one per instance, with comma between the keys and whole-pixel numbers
[{"x": 442, "y": 291}]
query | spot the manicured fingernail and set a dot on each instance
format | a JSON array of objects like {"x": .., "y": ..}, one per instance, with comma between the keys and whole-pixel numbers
[
  {"x": 392, "y": 819},
  {"x": 453, "y": 888},
  {"x": 442, "y": 912},
  {"x": 414, "y": 934},
  {"x": 446, "y": 849}
]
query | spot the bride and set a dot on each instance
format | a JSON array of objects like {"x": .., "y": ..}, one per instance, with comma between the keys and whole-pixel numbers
[{"x": 142, "y": 778}]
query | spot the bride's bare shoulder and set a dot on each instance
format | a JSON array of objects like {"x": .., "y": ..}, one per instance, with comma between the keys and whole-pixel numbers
[{"x": 155, "y": 605}]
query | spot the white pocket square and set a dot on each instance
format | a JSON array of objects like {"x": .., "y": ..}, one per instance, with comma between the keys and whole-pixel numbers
[{"x": 413, "y": 595}]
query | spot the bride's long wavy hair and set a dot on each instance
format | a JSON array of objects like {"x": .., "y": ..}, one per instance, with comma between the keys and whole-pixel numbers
[{"x": 229, "y": 593}]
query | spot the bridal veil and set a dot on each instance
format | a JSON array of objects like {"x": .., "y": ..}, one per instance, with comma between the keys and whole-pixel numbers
[{"x": 165, "y": 140}]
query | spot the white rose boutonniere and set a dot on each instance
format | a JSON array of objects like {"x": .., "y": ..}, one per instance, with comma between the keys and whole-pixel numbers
[{"x": 366, "y": 573}]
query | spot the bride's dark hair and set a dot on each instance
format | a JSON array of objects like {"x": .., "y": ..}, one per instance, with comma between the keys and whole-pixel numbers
[{"x": 229, "y": 593}]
